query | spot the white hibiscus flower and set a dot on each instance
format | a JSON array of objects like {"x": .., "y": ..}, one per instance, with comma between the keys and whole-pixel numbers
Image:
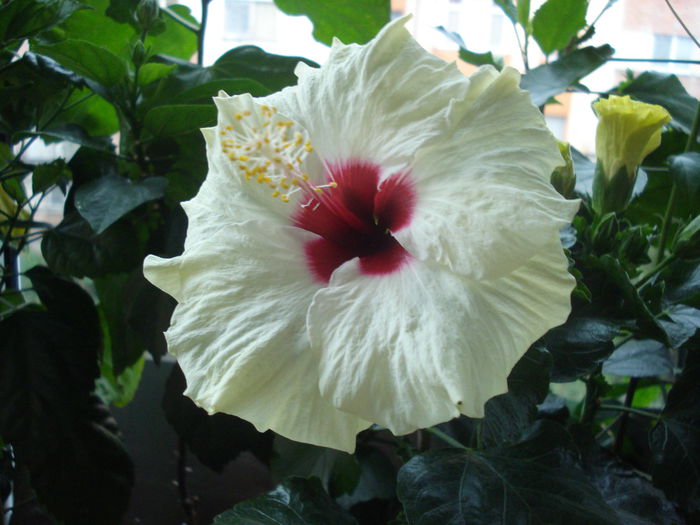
[{"x": 378, "y": 244}]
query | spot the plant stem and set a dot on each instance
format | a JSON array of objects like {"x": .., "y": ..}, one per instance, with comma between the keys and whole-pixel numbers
[
  {"x": 185, "y": 499},
  {"x": 200, "y": 32},
  {"x": 591, "y": 402},
  {"x": 681, "y": 23},
  {"x": 644, "y": 278},
  {"x": 631, "y": 410},
  {"x": 447, "y": 439},
  {"x": 629, "y": 397}
]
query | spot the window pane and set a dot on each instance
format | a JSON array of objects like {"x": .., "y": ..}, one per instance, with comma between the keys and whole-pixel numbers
[
  {"x": 237, "y": 17},
  {"x": 662, "y": 46}
]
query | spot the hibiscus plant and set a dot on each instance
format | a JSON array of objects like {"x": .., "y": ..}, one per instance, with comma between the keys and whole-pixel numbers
[{"x": 385, "y": 280}]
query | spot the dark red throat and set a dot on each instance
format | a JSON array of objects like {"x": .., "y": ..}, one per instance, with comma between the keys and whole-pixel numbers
[{"x": 357, "y": 219}]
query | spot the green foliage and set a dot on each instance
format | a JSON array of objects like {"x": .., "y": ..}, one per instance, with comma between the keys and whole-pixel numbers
[
  {"x": 297, "y": 501},
  {"x": 548, "y": 80},
  {"x": 556, "y": 22},
  {"x": 470, "y": 57},
  {"x": 348, "y": 20}
]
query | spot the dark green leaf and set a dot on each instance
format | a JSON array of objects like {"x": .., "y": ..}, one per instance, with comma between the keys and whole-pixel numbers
[
  {"x": 685, "y": 169},
  {"x": 169, "y": 121},
  {"x": 683, "y": 282},
  {"x": 532, "y": 482},
  {"x": 508, "y": 8},
  {"x": 675, "y": 441},
  {"x": 548, "y": 80},
  {"x": 45, "y": 176},
  {"x": 203, "y": 93},
  {"x": 297, "y": 501},
  {"x": 217, "y": 439},
  {"x": 20, "y": 19},
  {"x": 667, "y": 91},
  {"x": 634, "y": 499},
  {"x": 48, "y": 365},
  {"x": 556, "y": 22},
  {"x": 639, "y": 358},
  {"x": 578, "y": 346},
  {"x": 272, "y": 71},
  {"x": 104, "y": 201},
  {"x": 72, "y": 248},
  {"x": 107, "y": 71},
  {"x": 351, "y": 21}
]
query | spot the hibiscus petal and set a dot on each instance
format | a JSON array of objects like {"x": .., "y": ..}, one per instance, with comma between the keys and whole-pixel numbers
[
  {"x": 377, "y": 103},
  {"x": 239, "y": 332},
  {"x": 484, "y": 203},
  {"x": 422, "y": 345}
]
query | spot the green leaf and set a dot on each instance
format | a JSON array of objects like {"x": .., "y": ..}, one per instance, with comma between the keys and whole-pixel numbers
[
  {"x": 297, "y": 501},
  {"x": 217, "y": 439},
  {"x": 639, "y": 358},
  {"x": 556, "y": 22},
  {"x": 477, "y": 59},
  {"x": 46, "y": 176},
  {"x": 105, "y": 200},
  {"x": 578, "y": 346},
  {"x": 72, "y": 248},
  {"x": 20, "y": 19},
  {"x": 154, "y": 71},
  {"x": 675, "y": 440},
  {"x": 685, "y": 169},
  {"x": 177, "y": 40},
  {"x": 667, "y": 91},
  {"x": 508, "y": 8},
  {"x": 683, "y": 283},
  {"x": 548, "y": 80},
  {"x": 273, "y": 71},
  {"x": 531, "y": 482},
  {"x": 107, "y": 71},
  {"x": 351, "y": 21},
  {"x": 91, "y": 112},
  {"x": 123, "y": 347},
  {"x": 524, "y": 13},
  {"x": 173, "y": 120},
  {"x": 203, "y": 93},
  {"x": 118, "y": 390},
  {"x": 377, "y": 478}
]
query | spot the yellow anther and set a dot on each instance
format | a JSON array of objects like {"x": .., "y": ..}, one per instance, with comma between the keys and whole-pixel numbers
[
  {"x": 333, "y": 184},
  {"x": 231, "y": 156},
  {"x": 285, "y": 198},
  {"x": 222, "y": 133},
  {"x": 243, "y": 158},
  {"x": 238, "y": 116},
  {"x": 228, "y": 128},
  {"x": 308, "y": 147},
  {"x": 305, "y": 176},
  {"x": 275, "y": 194},
  {"x": 284, "y": 185},
  {"x": 318, "y": 190},
  {"x": 246, "y": 113}
]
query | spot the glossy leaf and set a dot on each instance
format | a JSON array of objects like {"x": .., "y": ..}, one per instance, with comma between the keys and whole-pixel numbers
[
  {"x": 639, "y": 358},
  {"x": 556, "y": 22},
  {"x": 104, "y": 201},
  {"x": 46, "y": 176},
  {"x": 683, "y": 283},
  {"x": 176, "y": 40},
  {"x": 667, "y": 91},
  {"x": 549, "y": 80},
  {"x": 215, "y": 439},
  {"x": 533, "y": 482},
  {"x": 297, "y": 501},
  {"x": 675, "y": 441},
  {"x": 578, "y": 346},
  {"x": 69, "y": 133},
  {"x": 508, "y": 8},
  {"x": 351, "y": 21}
]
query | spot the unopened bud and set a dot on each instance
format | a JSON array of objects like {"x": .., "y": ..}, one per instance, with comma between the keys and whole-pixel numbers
[{"x": 563, "y": 177}]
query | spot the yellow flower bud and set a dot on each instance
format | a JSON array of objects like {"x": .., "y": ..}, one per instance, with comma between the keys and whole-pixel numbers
[{"x": 627, "y": 132}]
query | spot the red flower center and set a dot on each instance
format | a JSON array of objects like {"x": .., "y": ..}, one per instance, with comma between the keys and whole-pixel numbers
[{"x": 356, "y": 219}]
